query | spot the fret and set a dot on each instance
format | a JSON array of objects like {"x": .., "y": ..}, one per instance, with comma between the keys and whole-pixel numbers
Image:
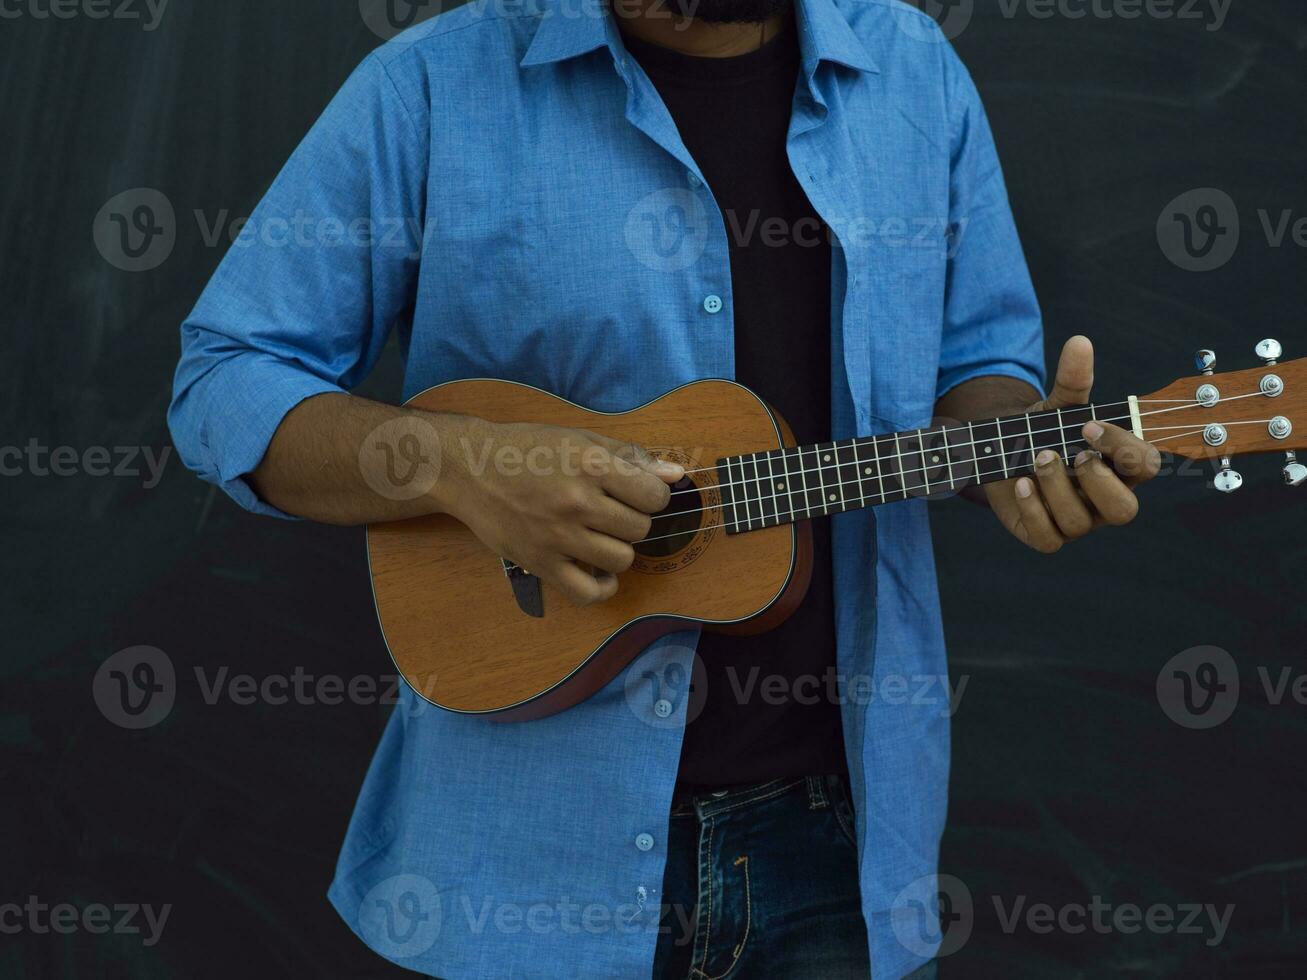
[
  {"x": 988, "y": 448},
  {"x": 730, "y": 516},
  {"x": 898, "y": 466},
  {"x": 925, "y": 466},
  {"x": 1049, "y": 436},
  {"x": 786, "y": 506},
  {"x": 799, "y": 483},
  {"x": 822, "y": 478},
  {"x": 834, "y": 491},
  {"x": 802, "y": 470},
  {"x": 1014, "y": 445},
  {"x": 742, "y": 488},
  {"x": 761, "y": 488},
  {"x": 890, "y": 463},
  {"x": 975, "y": 451},
  {"x": 1073, "y": 420},
  {"x": 767, "y": 488},
  {"x": 948, "y": 460},
  {"x": 846, "y": 462},
  {"x": 864, "y": 456},
  {"x": 910, "y": 474},
  {"x": 960, "y": 454},
  {"x": 937, "y": 475},
  {"x": 814, "y": 485}
]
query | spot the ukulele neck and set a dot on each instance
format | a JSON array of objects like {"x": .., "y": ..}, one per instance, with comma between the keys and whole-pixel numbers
[{"x": 765, "y": 489}]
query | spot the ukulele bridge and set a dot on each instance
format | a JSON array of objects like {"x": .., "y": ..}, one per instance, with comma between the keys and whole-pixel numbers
[{"x": 526, "y": 589}]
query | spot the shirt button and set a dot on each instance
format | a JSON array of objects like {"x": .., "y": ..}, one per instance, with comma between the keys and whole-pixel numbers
[
  {"x": 693, "y": 178},
  {"x": 662, "y": 708},
  {"x": 712, "y": 303},
  {"x": 644, "y": 842}
]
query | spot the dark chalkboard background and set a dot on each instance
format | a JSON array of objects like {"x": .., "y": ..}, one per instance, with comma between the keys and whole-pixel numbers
[{"x": 1070, "y": 780}]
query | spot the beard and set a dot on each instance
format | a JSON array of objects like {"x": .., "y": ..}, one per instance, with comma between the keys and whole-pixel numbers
[{"x": 729, "y": 11}]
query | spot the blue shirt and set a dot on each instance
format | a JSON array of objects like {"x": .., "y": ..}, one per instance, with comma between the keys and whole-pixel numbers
[{"x": 503, "y": 187}]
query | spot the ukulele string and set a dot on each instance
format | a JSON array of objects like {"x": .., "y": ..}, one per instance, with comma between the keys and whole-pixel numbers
[
  {"x": 870, "y": 440},
  {"x": 747, "y": 521}
]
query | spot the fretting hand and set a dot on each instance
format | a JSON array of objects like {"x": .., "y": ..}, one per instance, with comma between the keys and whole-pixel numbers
[{"x": 1060, "y": 503}]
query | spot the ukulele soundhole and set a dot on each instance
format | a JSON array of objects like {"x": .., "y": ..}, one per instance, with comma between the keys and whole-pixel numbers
[{"x": 676, "y": 526}]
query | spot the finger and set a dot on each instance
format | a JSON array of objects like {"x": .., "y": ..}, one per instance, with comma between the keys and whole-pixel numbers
[
  {"x": 603, "y": 552},
  {"x": 1113, "y": 500},
  {"x": 642, "y": 459},
  {"x": 1069, "y": 512},
  {"x": 1131, "y": 457},
  {"x": 614, "y": 518},
  {"x": 636, "y": 488},
  {"x": 1035, "y": 526},
  {"x": 580, "y": 586},
  {"x": 1075, "y": 374}
]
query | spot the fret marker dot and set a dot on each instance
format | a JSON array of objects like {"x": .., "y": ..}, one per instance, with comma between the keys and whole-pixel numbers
[
  {"x": 989, "y": 449},
  {"x": 780, "y": 486},
  {"x": 867, "y": 471},
  {"x": 832, "y": 496},
  {"x": 826, "y": 458},
  {"x": 934, "y": 459}
]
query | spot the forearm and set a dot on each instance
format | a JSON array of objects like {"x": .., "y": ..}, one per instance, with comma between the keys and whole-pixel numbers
[
  {"x": 341, "y": 459},
  {"x": 987, "y": 397},
  {"x": 565, "y": 503}
]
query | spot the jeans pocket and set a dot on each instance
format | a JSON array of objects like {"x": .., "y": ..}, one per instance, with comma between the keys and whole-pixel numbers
[{"x": 843, "y": 811}]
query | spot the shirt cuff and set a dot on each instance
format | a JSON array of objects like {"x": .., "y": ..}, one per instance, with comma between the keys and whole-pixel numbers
[
  {"x": 247, "y": 402},
  {"x": 948, "y": 380}
]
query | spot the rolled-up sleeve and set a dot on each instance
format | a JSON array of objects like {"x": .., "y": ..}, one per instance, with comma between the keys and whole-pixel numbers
[
  {"x": 992, "y": 323},
  {"x": 310, "y": 288}
]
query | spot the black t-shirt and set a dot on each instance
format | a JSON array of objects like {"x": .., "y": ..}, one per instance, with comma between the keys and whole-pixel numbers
[{"x": 767, "y": 713}]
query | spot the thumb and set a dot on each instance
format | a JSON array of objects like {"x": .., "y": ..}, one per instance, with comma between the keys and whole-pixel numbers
[
  {"x": 640, "y": 457},
  {"x": 1075, "y": 374}
]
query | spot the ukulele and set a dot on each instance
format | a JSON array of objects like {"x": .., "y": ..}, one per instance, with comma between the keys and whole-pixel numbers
[{"x": 476, "y": 634}]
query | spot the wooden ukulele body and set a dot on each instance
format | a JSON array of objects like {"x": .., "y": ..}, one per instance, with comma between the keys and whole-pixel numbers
[{"x": 447, "y": 607}]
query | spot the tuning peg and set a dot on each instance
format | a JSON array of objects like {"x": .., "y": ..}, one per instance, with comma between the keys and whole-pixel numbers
[
  {"x": 1228, "y": 480},
  {"x": 1295, "y": 474},
  {"x": 1205, "y": 361},
  {"x": 1269, "y": 350}
]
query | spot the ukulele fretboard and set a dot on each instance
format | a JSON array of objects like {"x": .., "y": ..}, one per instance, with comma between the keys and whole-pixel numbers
[{"x": 765, "y": 489}]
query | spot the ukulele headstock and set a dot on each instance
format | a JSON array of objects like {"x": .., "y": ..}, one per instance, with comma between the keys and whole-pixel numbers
[{"x": 1216, "y": 416}]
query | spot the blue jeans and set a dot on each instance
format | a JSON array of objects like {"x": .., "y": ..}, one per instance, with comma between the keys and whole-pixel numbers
[{"x": 762, "y": 882}]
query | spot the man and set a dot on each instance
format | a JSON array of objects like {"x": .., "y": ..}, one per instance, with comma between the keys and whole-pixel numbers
[{"x": 607, "y": 203}]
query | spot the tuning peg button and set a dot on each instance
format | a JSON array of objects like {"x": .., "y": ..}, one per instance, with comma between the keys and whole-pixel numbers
[
  {"x": 1228, "y": 481},
  {"x": 1205, "y": 361},
  {"x": 1269, "y": 350},
  {"x": 1295, "y": 474}
]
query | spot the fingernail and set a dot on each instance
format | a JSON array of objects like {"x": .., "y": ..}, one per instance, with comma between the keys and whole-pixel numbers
[
  {"x": 1024, "y": 488},
  {"x": 1082, "y": 457},
  {"x": 1092, "y": 431},
  {"x": 671, "y": 469},
  {"x": 1046, "y": 458}
]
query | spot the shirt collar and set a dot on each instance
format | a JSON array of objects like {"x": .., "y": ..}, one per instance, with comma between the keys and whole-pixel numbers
[
  {"x": 572, "y": 28},
  {"x": 569, "y": 29}
]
